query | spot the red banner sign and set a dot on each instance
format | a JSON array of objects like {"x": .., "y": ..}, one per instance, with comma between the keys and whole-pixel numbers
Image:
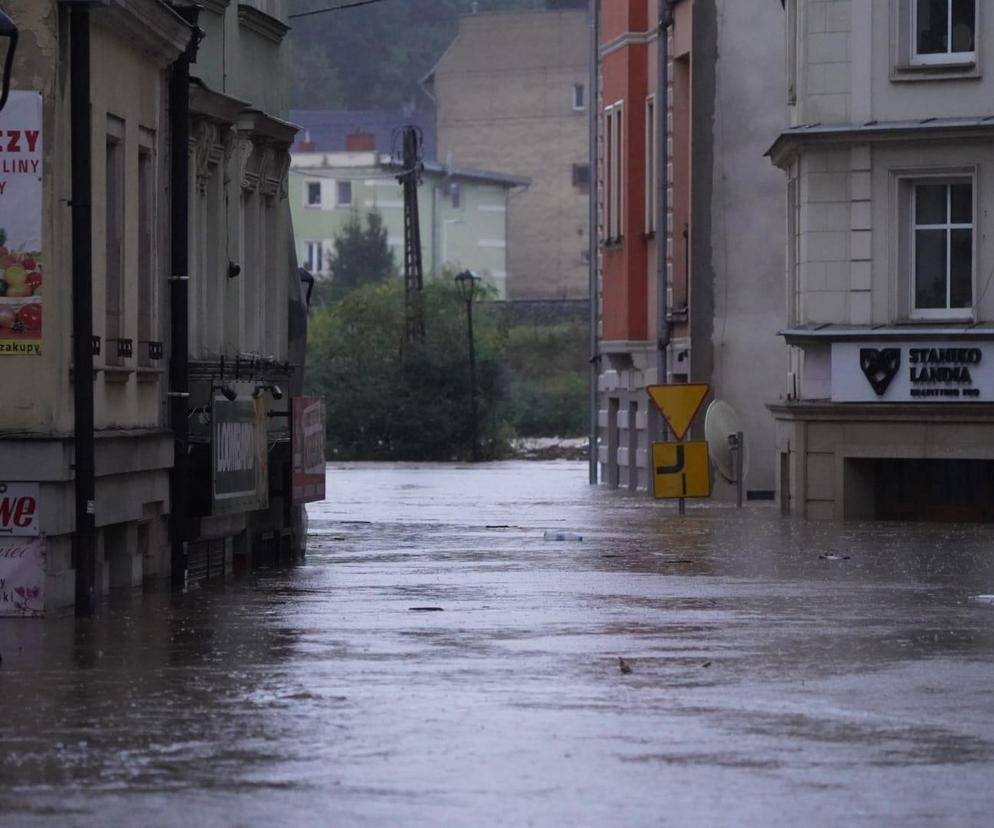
[{"x": 308, "y": 450}]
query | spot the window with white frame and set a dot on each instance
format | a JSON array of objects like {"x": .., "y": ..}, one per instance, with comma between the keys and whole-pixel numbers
[
  {"x": 614, "y": 172},
  {"x": 944, "y": 31},
  {"x": 579, "y": 97},
  {"x": 942, "y": 247},
  {"x": 650, "y": 164},
  {"x": 312, "y": 194},
  {"x": 314, "y": 256},
  {"x": 343, "y": 193}
]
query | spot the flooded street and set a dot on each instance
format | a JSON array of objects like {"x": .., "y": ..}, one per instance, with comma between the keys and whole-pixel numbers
[{"x": 438, "y": 661}]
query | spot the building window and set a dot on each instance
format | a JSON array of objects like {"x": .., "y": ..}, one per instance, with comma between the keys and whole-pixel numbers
[
  {"x": 146, "y": 251},
  {"x": 942, "y": 248},
  {"x": 579, "y": 97},
  {"x": 343, "y": 193},
  {"x": 650, "y": 165},
  {"x": 314, "y": 256},
  {"x": 943, "y": 31},
  {"x": 114, "y": 240},
  {"x": 613, "y": 172},
  {"x": 581, "y": 177},
  {"x": 313, "y": 194}
]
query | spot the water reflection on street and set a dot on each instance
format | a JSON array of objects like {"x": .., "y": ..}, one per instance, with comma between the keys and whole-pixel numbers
[{"x": 437, "y": 661}]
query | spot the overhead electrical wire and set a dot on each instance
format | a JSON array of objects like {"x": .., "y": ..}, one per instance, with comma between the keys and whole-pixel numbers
[{"x": 340, "y": 7}]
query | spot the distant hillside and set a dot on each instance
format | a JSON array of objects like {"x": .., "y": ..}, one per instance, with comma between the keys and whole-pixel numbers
[{"x": 372, "y": 57}]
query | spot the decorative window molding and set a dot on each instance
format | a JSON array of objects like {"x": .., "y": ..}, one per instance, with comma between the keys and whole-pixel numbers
[
  {"x": 216, "y": 6},
  {"x": 614, "y": 168},
  {"x": 947, "y": 49},
  {"x": 937, "y": 222},
  {"x": 261, "y": 23}
]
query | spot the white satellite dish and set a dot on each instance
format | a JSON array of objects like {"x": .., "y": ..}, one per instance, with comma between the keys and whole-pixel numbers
[{"x": 720, "y": 423}]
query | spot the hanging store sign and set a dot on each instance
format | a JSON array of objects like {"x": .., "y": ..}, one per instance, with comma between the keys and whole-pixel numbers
[
  {"x": 19, "y": 509},
  {"x": 308, "y": 450},
  {"x": 22, "y": 576},
  {"x": 20, "y": 225},
  {"x": 913, "y": 372},
  {"x": 240, "y": 466}
]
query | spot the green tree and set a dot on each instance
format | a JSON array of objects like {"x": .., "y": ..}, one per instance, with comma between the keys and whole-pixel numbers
[
  {"x": 389, "y": 400},
  {"x": 361, "y": 255}
]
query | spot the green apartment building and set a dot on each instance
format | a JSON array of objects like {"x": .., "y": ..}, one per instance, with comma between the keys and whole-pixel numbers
[{"x": 462, "y": 212}]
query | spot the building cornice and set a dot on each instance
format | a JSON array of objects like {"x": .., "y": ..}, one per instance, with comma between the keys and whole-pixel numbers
[
  {"x": 216, "y": 6},
  {"x": 827, "y": 333},
  {"x": 261, "y": 23},
  {"x": 153, "y": 27},
  {"x": 266, "y": 126},
  {"x": 627, "y": 39},
  {"x": 797, "y": 139},
  {"x": 207, "y": 103},
  {"x": 835, "y": 412}
]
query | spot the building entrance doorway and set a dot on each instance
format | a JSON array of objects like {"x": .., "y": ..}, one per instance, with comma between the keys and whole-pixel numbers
[{"x": 953, "y": 491}]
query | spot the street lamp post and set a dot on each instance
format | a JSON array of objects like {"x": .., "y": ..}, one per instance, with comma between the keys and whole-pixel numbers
[{"x": 467, "y": 282}]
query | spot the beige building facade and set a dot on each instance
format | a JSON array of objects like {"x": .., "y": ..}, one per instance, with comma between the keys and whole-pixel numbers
[
  {"x": 237, "y": 220},
  {"x": 890, "y": 171},
  {"x": 511, "y": 95}
]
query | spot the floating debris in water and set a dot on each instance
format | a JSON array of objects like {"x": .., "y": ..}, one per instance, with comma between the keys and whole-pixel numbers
[
  {"x": 551, "y": 535},
  {"x": 425, "y": 609},
  {"x": 983, "y": 599},
  {"x": 624, "y": 666},
  {"x": 831, "y": 556}
]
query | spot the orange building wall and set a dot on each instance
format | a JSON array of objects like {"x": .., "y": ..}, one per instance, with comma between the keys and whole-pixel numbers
[{"x": 624, "y": 75}]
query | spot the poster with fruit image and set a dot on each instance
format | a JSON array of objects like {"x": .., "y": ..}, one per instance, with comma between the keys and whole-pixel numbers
[{"x": 21, "y": 259}]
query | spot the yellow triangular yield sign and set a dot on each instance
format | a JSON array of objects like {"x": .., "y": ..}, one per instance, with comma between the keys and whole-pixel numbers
[{"x": 679, "y": 404}]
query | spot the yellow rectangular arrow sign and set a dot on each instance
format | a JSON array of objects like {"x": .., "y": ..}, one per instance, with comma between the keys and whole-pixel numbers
[
  {"x": 679, "y": 404},
  {"x": 680, "y": 470}
]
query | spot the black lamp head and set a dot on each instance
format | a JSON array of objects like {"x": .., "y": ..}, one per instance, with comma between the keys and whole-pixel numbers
[
  {"x": 275, "y": 391},
  {"x": 230, "y": 394},
  {"x": 467, "y": 282}
]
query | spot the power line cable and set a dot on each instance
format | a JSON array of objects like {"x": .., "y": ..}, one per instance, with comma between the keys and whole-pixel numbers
[{"x": 341, "y": 7}]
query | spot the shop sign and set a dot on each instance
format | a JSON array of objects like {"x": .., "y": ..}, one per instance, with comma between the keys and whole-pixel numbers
[
  {"x": 21, "y": 255},
  {"x": 308, "y": 450},
  {"x": 19, "y": 509},
  {"x": 913, "y": 372},
  {"x": 240, "y": 465},
  {"x": 22, "y": 576}
]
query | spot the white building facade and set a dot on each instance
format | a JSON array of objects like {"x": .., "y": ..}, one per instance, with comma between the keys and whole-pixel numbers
[{"x": 889, "y": 409}]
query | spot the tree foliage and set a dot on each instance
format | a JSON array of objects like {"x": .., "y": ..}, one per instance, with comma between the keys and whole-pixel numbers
[
  {"x": 389, "y": 400},
  {"x": 361, "y": 255},
  {"x": 378, "y": 53}
]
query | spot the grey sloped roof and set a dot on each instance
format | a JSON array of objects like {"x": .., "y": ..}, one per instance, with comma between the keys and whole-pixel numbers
[{"x": 328, "y": 128}]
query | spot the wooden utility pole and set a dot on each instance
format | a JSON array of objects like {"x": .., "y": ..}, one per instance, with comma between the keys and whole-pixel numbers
[{"x": 410, "y": 178}]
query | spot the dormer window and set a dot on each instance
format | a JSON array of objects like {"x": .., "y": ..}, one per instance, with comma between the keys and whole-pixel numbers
[{"x": 944, "y": 32}]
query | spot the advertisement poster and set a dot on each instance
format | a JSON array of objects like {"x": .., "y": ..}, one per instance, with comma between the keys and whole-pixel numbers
[
  {"x": 19, "y": 509},
  {"x": 21, "y": 256},
  {"x": 308, "y": 449},
  {"x": 22, "y": 576},
  {"x": 240, "y": 455}
]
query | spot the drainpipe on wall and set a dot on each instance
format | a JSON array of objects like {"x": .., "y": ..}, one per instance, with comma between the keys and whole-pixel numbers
[
  {"x": 179, "y": 280},
  {"x": 593, "y": 104},
  {"x": 662, "y": 196},
  {"x": 84, "y": 466}
]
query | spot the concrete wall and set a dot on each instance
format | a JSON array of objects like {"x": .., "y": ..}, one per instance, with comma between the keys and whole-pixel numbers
[
  {"x": 737, "y": 220},
  {"x": 504, "y": 99}
]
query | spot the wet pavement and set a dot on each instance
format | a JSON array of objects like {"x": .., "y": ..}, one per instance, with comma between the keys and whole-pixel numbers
[{"x": 438, "y": 662}]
